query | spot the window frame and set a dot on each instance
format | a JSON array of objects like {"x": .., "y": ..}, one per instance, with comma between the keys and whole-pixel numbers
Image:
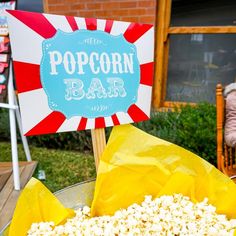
[{"x": 163, "y": 32}]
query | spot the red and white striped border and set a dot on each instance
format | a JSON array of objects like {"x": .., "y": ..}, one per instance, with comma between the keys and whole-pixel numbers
[{"x": 28, "y": 30}]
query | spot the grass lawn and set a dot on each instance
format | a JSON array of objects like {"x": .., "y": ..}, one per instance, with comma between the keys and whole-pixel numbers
[{"x": 62, "y": 168}]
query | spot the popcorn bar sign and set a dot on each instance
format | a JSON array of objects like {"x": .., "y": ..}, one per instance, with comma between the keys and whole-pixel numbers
[
  {"x": 96, "y": 74},
  {"x": 80, "y": 73}
]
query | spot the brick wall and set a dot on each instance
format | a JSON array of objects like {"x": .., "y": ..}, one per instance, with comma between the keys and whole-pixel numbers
[{"x": 142, "y": 11}]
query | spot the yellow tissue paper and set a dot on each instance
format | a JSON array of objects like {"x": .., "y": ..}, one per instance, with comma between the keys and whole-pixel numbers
[
  {"x": 35, "y": 204},
  {"x": 135, "y": 164}
]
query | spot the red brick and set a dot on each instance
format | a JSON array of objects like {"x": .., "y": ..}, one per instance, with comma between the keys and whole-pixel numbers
[
  {"x": 128, "y": 10},
  {"x": 89, "y": 14},
  {"x": 73, "y": 2},
  {"x": 130, "y": 19},
  {"x": 147, "y": 19},
  {"x": 55, "y": 2},
  {"x": 121, "y": 13},
  {"x": 94, "y": 6},
  {"x": 102, "y": 14},
  {"x": 150, "y": 11},
  {"x": 111, "y": 5},
  {"x": 149, "y": 3},
  {"x": 128, "y": 4},
  {"x": 125, "y": 0},
  {"x": 137, "y": 11},
  {"x": 54, "y": 12},
  {"x": 59, "y": 8},
  {"x": 72, "y": 13},
  {"x": 78, "y": 6}
]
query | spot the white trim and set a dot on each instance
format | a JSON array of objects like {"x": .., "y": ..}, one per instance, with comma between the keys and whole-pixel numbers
[
  {"x": 70, "y": 124},
  {"x": 101, "y": 24},
  {"x": 144, "y": 98},
  {"x": 90, "y": 123},
  {"x": 119, "y": 27},
  {"x": 108, "y": 121},
  {"x": 34, "y": 99},
  {"x": 145, "y": 47},
  {"x": 20, "y": 38},
  {"x": 124, "y": 118},
  {"x": 14, "y": 151},
  {"x": 81, "y": 23},
  {"x": 59, "y": 22},
  {"x": 8, "y": 106}
]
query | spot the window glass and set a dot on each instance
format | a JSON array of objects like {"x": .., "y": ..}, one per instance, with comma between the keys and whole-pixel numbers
[
  {"x": 203, "y": 13},
  {"x": 30, "y": 5},
  {"x": 197, "y": 63}
]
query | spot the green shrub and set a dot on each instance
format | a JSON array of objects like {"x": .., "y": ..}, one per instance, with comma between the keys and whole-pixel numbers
[
  {"x": 4, "y": 125},
  {"x": 80, "y": 141},
  {"x": 193, "y": 128}
]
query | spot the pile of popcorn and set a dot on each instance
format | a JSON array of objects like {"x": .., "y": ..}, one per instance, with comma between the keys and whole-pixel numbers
[{"x": 166, "y": 215}]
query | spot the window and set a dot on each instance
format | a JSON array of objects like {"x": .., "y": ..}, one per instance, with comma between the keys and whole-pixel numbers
[
  {"x": 196, "y": 49},
  {"x": 30, "y": 5},
  {"x": 197, "y": 62},
  {"x": 203, "y": 13}
]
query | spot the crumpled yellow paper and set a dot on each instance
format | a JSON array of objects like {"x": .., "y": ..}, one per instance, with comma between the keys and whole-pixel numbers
[
  {"x": 35, "y": 204},
  {"x": 135, "y": 164}
]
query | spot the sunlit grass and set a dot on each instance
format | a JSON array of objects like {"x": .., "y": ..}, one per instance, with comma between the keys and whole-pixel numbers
[{"x": 62, "y": 168}]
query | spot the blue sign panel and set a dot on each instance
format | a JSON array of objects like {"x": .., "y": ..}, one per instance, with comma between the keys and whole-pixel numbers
[{"x": 89, "y": 73}]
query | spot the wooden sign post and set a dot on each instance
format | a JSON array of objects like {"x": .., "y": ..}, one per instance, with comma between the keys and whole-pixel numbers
[
  {"x": 99, "y": 144},
  {"x": 77, "y": 73}
]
